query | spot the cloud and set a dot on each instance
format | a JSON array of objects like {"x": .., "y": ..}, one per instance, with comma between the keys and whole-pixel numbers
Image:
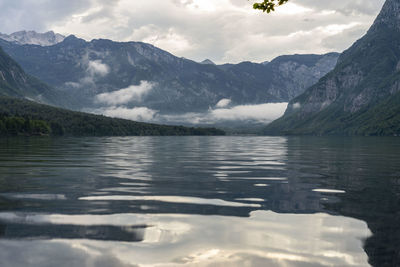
[
  {"x": 38, "y": 15},
  {"x": 126, "y": 95},
  {"x": 262, "y": 113},
  {"x": 93, "y": 69},
  {"x": 348, "y": 8},
  {"x": 135, "y": 114},
  {"x": 96, "y": 67},
  {"x": 223, "y": 103},
  {"x": 116, "y": 103},
  {"x": 223, "y": 30}
]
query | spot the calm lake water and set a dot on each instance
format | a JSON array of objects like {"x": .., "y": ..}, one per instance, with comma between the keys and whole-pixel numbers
[{"x": 199, "y": 201}]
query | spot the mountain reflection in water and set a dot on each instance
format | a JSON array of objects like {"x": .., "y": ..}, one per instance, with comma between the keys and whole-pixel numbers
[{"x": 199, "y": 201}]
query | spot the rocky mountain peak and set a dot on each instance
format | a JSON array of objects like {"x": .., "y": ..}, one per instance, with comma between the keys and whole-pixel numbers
[
  {"x": 207, "y": 62},
  {"x": 34, "y": 38},
  {"x": 71, "y": 39}
]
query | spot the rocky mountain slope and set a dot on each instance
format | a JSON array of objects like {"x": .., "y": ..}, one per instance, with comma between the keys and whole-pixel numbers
[
  {"x": 34, "y": 38},
  {"x": 285, "y": 77},
  {"x": 361, "y": 95},
  {"x": 159, "y": 80},
  {"x": 15, "y": 82}
]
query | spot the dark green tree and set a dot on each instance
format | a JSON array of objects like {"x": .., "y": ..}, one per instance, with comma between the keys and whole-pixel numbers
[{"x": 269, "y": 5}]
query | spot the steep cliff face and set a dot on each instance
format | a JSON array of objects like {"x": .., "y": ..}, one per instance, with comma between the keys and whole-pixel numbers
[
  {"x": 87, "y": 69},
  {"x": 366, "y": 76},
  {"x": 285, "y": 77},
  {"x": 297, "y": 73}
]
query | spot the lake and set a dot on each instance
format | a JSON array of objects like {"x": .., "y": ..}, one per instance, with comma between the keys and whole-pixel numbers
[{"x": 199, "y": 201}]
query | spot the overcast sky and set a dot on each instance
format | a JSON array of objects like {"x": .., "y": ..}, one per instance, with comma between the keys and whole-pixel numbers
[{"x": 221, "y": 30}]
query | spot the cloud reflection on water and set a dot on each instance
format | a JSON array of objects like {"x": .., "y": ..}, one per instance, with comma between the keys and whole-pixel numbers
[
  {"x": 153, "y": 177},
  {"x": 264, "y": 239}
]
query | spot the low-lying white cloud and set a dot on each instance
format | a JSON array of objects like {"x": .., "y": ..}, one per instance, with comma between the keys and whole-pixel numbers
[
  {"x": 96, "y": 67},
  {"x": 93, "y": 70},
  {"x": 223, "y": 103},
  {"x": 262, "y": 113},
  {"x": 126, "y": 95},
  {"x": 135, "y": 114}
]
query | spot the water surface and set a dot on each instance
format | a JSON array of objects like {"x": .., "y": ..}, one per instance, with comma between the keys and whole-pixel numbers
[{"x": 199, "y": 201}]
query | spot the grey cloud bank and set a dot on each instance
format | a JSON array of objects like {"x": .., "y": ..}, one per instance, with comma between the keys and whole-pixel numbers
[{"x": 223, "y": 30}]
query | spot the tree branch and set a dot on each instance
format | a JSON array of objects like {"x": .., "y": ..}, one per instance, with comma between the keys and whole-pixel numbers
[{"x": 269, "y": 5}]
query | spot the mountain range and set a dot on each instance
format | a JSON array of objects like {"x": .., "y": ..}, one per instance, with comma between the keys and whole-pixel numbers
[
  {"x": 354, "y": 93},
  {"x": 93, "y": 74},
  {"x": 21, "y": 116},
  {"x": 361, "y": 96}
]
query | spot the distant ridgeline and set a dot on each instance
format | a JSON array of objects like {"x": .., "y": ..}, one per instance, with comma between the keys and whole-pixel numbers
[
  {"x": 22, "y": 117},
  {"x": 82, "y": 70},
  {"x": 361, "y": 96}
]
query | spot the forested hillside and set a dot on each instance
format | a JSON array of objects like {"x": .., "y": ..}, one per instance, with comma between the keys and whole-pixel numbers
[{"x": 22, "y": 117}]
